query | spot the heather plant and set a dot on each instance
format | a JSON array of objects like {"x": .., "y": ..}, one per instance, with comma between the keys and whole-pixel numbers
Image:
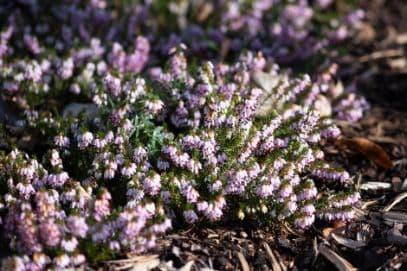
[{"x": 186, "y": 144}]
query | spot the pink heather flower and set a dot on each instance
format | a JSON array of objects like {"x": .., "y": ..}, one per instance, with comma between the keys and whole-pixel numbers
[
  {"x": 202, "y": 206},
  {"x": 309, "y": 209},
  {"x": 190, "y": 142},
  {"x": 25, "y": 190},
  {"x": 75, "y": 89},
  {"x": 139, "y": 155},
  {"x": 99, "y": 143},
  {"x": 28, "y": 232},
  {"x": 307, "y": 193},
  {"x": 77, "y": 226},
  {"x": 61, "y": 141},
  {"x": 129, "y": 170},
  {"x": 178, "y": 65},
  {"x": 304, "y": 221},
  {"x": 162, "y": 164},
  {"x": 58, "y": 180},
  {"x": 78, "y": 259},
  {"x": 66, "y": 69},
  {"x": 119, "y": 140},
  {"x": 14, "y": 263},
  {"x": 344, "y": 215},
  {"x": 188, "y": 191},
  {"x": 190, "y": 216},
  {"x": 102, "y": 206},
  {"x": 215, "y": 187},
  {"x": 285, "y": 190},
  {"x": 291, "y": 206},
  {"x": 50, "y": 233},
  {"x": 194, "y": 166},
  {"x": 152, "y": 184},
  {"x": 109, "y": 137},
  {"x": 166, "y": 196},
  {"x": 113, "y": 85},
  {"x": 62, "y": 260},
  {"x": 237, "y": 182},
  {"x": 264, "y": 190},
  {"x": 136, "y": 61},
  {"x": 213, "y": 212},
  {"x": 163, "y": 227},
  {"x": 110, "y": 170},
  {"x": 84, "y": 140},
  {"x": 32, "y": 44},
  {"x": 330, "y": 132},
  {"x": 344, "y": 201},
  {"x": 114, "y": 245},
  {"x": 135, "y": 194},
  {"x": 29, "y": 172},
  {"x": 154, "y": 106},
  {"x": 69, "y": 245}
]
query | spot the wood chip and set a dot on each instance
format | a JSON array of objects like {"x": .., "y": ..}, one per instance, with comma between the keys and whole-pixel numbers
[
  {"x": 243, "y": 261},
  {"x": 340, "y": 263},
  {"x": 349, "y": 243},
  {"x": 396, "y": 201}
]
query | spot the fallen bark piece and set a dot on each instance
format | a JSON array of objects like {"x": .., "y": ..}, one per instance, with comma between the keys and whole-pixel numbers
[
  {"x": 369, "y": 149},
  {"x": 349, "y": 243},
  {"x": 395, "y": 217},
  {"x": 340, "y": 263}
]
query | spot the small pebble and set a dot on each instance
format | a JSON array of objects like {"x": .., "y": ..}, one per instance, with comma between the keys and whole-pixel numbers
[{"x": 396, "y": 182}]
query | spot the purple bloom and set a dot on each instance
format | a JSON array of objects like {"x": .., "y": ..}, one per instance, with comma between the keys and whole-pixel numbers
[{"x": 77, "y": 226}]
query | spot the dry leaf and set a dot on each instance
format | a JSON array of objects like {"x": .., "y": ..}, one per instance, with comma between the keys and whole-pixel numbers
[
  {"x": 327, "y": 232},
  {"x": 369, "y": 149}
]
